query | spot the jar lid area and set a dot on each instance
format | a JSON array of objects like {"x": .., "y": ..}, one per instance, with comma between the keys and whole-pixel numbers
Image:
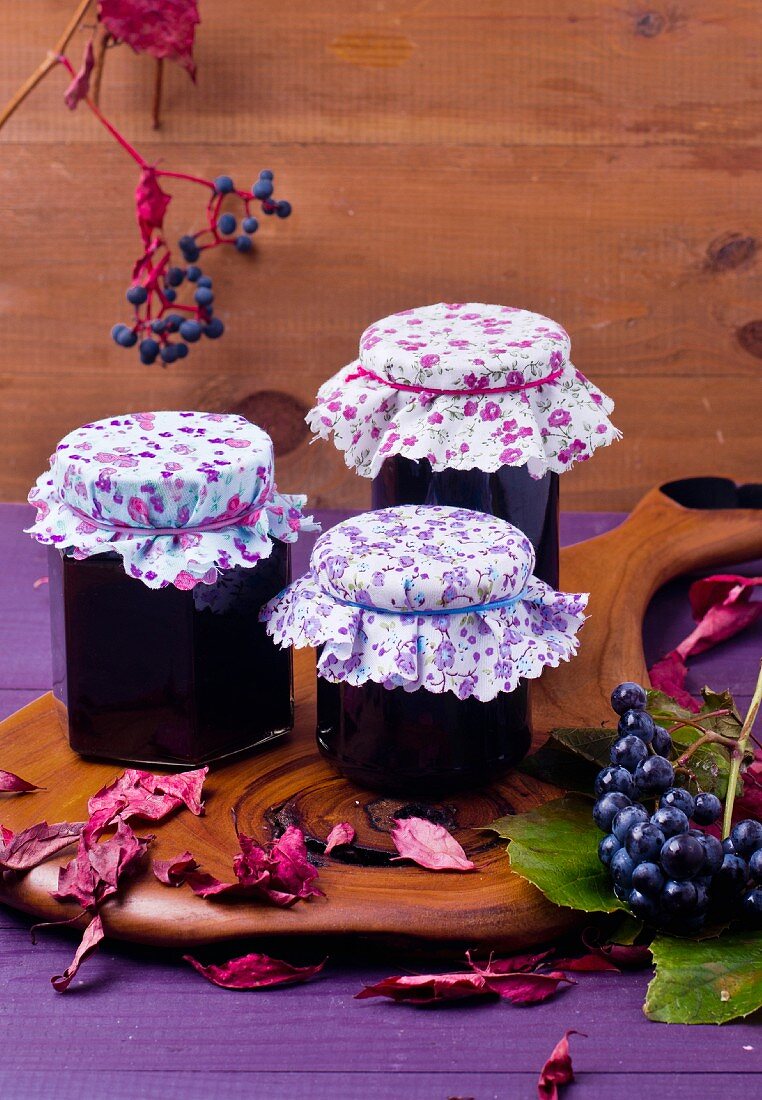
[
  {"x": 464, "y": 346},
  {"x": 422, "y": 559}
]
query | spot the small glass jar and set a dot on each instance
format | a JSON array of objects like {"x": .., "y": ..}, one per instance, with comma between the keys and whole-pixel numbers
[
  {"x": 167, "y": 536},
  {"x": 429, "y": 627},
  {"x": 471, "y": 406}
]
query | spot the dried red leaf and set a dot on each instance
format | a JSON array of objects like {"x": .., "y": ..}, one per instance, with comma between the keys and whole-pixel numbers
[
  {"x": 80, "y": 84},
  {"x": 24, "y": 850},
  {"x": 150, "y": 204},
  {"x": 91, "y": 938},
  {"x": 340, "y": 834},
  {"x": 142, "y": 794},
  {"x": 427, "y": 989},
  {"x": 515, "y": 964},
  {"x": 520, "y": 988},
  {"x": 293, "y": 873},
  {"x": 97, "y": 869},
  {"x": 172, "y": 872},
  {"x": 429, "y": 845},
  {"x": 161, "y": 28},
  {"x": 668, "y": 675},
  {"x": 707, "y": 592},
  {"x": 593, "y": 963},
  {"x": 557, "y": 1070},
  {"x": 255, "y": 972},
  {"x": 14, "y": 784}
]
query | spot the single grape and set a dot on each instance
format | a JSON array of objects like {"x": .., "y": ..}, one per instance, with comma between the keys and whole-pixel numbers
[
  {"x": 678, "y": 897},
  {"x": 713, "y": 854},
  {"x": 250, "y": 225},
  {"x": 614, "y": 778},
  {"x": 654, "y": 775},
  {"x": 187, "y": 242},
  {"x": 174, "y": 320},
  {"x": 731, "y": 877},
  {"x": 175, "y": 276},
  {"x": 137, "y": 295},
  {"x": 626, "y": 818},
  {"x": 190, "y": 331},
  {"x": 752, "y": 904},
  {"x": 158, "y": 325},
  {"x": 682, "y": 856},
  {"x": 628, "y": 696},
  {"x": 679, "y": 798},
  {"x": 265, "y": 174},
  {"x": 746, "y": 837},
  {"x": 607, "y": 849},
  {"x": 707, "y": 809},
  {"x": 243, "y": 243},
  {"x": 204, "y": 296},
  {"x": 169, "y": 353},
  {"x": 192, "y": 254},
  {"x": 629, "y": 752},
  {"x": 204, "y": 280},
  {"x": 621, "y": 868},
  {"x": 648, "y": 877},
  {"x": 116, "y": 330},
  {"x": 662, "y": 742},
  {"x": 214, "y": 329},
  {"x": 223, "y": 185},
  {"x": 670, "y": 820},
  {"x": 643, "y": 906},
  {"x": 193, "y": 273},
  {"x": 283, "y": 209},
  {"x": 638, "y": 722},
  {"x": 127, "y": 338},
  {"x": 644, "y": 842},
  {"x": 262, "y": 189},
  {"x": 181, "y": 350},
  {"x": 755, "y": 865},
  {"x": 606, "y": 809},
  {"x": 227, "y": 224},
  {"x": 170, "y": 294},
  {"x": 149, "y": 349}
]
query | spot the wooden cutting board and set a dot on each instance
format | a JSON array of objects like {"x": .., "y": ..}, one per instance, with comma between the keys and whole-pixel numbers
[{"x": 366, "y": 894}]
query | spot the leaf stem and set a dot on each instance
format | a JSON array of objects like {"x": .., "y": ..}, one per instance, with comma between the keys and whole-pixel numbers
[{"x": 738, "y": 754}]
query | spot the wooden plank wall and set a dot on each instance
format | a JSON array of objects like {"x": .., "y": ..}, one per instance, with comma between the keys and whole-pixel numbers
[{"x": 596, "y": 160}]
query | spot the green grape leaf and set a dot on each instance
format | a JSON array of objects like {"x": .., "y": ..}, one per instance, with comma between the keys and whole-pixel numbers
[
  {"x": 555, "y": 847},
  {"x": 592, "y": 744},
  {"x": 554, "y": 763},
  {"x": 706, "y": 981}
]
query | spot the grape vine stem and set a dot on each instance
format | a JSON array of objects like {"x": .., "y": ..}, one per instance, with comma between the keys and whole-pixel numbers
[{"x": 739, "y": 750}]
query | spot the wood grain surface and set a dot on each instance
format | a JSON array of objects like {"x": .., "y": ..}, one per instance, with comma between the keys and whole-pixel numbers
[
  {"x": 366, "y": 894},
  {"x": 599, "y": 162}
]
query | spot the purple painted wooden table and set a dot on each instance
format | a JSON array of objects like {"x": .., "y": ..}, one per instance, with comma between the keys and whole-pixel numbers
[{"x": 142, "y": 1024}]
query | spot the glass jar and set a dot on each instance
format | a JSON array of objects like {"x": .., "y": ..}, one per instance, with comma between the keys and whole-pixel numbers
[
  {"x": 467, "y": 405},
  {"x": 167, "y": 536},
  {"x": 429, "y": 626}
]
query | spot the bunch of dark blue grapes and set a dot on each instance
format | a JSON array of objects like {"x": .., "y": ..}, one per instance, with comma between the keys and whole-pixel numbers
[
  {"x": 154, "y": 334},
  {"x": 668, "y": 872}
]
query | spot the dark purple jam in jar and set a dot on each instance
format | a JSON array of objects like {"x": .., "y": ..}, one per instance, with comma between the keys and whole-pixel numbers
[
  {"x": 510, "y": 494},
  {"x": 418, "y": 743},
  {"x": 164, "y": 676}
]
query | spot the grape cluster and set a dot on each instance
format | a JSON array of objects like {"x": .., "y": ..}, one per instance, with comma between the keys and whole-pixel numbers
[
  {"x": 669, "y": 873},
  {"x": 163, "y": 327}
]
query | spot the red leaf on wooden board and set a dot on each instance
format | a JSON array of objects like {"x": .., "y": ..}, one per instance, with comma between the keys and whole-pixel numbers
[
  {"x": 293, "y": 873},
  {"x": 340, "y": 834},
  {"x": 557, "y": 1070},
  {"x": 24, "y": 850},
  {"x": 427, "y": 989},
  {"x": 91, "y": 938},
  {"x": 142, "y": 794},
  {"x": 162, "y": 28},
  {"x": 14, "y": 784},
  {"x": 172, "y": 872},
  {"x": 255, "y": 972},
  {"x": 150, "y": 205},
  {"x": 515, "y": 964},
  {"x": 97, "y": 869},
  {"x": 522, "y": 988},
  {"x": 80, "y": 84},
  {"x": 429, "y": 845}
]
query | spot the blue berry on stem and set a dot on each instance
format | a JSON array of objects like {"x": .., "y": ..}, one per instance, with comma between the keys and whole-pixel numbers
[
  {"x": 614, "y": 778},
  {"x": 175, "y": 276},
  {"x": 679, "y": 798},
  {"x": 204, "y": 296},
  {"x": 678, "y": 897},
  {"x": 137, "y": 295},
  {"x": 127, "y": 338},
  {"x": 243, "y": 243},
  {"x": 190, "y": 331},
  {"x": 170, "y": 294},
  {"x": 643, "y": 906},
  {"x": 638, "y": 722},
  {"x": 654, "y": 775},
  {"x": 670, "y": 820},
  {"x": 648, "y": 878},
  {"x": 193, "y": 273},
  {"x": 628, "y": 696},
  {"x": 266, "y": 174},
  {"x": 223, "y": 185},
  {"x": 214, "y": 329},
  {"x": 621, "y": 870},
  {"x": 707, "y": 809},
  {"x": 682, "y": 856},
  {"x": 283, "y": 209},
  {"x": 181, "y": 350},
  {"x": 628, "y": 817},
  {"x": 713, "y": 854},
  {"x": 662, "y": 742},
  {"x": 263, "y": 188},
  {"x": 169, "y": 353},
  {"x": 226, "y": 224},
  {"x": 629, "y": 752},
  {"x": 732, "y": 875},
  {"x": 149, "y": 349},
  {"x": 755, "y": 865},
  {"x": 746, "y": 837},
  {"x": 606, "y": 809},
  {"x": 607, "y": 849},
  {"x": 250, "y": 225},
  {"x": 644, "y": 842},
  {"x": 116, "y": 330}
]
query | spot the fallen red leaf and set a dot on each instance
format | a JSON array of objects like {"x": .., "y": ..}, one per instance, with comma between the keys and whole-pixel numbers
[
  {"x": 522, "y": 988},
  {"x": 80, "y": 84},
  {"x": 515, "y": 964},
  {"x": 95, "y": 872},
  {"x": 150, "y": 206},
  {"x": 142, "y": 794},
  {"x": 91, "y": 938},
  {"x": 24, "y": 850},
  {"x": 14, "y": 784},
  {"x": 669, "y": 675},
  {"x": 426, "y": 989},
  {"x": 293, "y": 873},
  {"x": 172, "y": 872},
  {"x": 255, "y": 972},
  {"x": 429, "y": 845},
  {"x": 340, "y": 834},
  {"x": 557, "y": 1070},
  {"x": 162, "y": 28},
  {"x": 594, "y": 963}
]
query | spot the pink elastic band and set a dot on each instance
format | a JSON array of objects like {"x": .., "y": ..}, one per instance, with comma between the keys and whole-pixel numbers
[
  {"x": 516, "y": 387},
  {"x": 239, "y": 519}
]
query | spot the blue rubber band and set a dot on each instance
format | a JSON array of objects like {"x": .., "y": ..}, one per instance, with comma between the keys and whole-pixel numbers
[{"x": 509, "y": 601}]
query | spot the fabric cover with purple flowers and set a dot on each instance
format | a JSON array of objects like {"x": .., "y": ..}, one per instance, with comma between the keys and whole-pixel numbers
[
  {"x": 111, "y": 482},
  {"x": 477, "y": 349},
  {"x": 417, "y": 572}
]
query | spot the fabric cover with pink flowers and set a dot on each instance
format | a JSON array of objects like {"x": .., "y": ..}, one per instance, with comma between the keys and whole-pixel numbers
[
  {"x": 465, "y": 386},
  {"x": 427, "y": 597},
  {"x": 180, "y": 496}
]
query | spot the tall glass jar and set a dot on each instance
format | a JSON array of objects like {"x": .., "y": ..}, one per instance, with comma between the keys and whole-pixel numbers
[
  {"x": 467, "y": 405},
  {"x": 167, "y": 536},
  {"x": 429, "y": 626}
]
